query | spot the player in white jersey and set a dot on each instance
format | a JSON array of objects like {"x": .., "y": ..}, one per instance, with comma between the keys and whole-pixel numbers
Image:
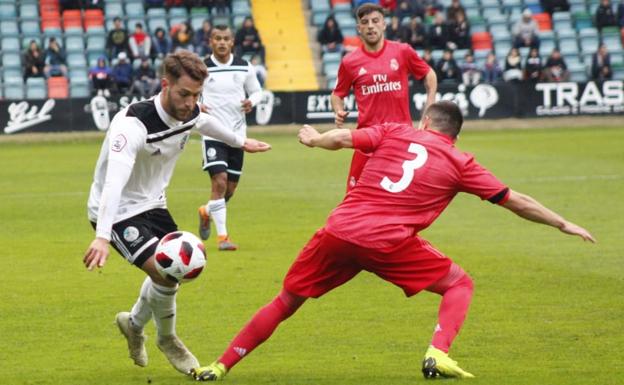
[
  {"x": 230, "y": 92},
  {"x": 127, "y": 205}
]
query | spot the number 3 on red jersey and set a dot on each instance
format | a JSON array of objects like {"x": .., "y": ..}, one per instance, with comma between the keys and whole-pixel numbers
[{"x": 409, "y": 166}]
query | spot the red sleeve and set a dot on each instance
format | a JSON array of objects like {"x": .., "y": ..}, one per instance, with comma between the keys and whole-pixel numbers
[
  {"x": 343, "y": 81},
  {"x": 367, "y": 139},
  {"x": 479, "y": 181},
  {"x": 417, "y": 66}
]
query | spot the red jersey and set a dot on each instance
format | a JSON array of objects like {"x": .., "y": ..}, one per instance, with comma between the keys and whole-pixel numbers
[
  {"x": 379, "y": 80},
  {"x": 410, "y": 178}
]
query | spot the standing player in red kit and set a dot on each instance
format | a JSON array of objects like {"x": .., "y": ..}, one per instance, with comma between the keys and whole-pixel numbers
[
  {"x": 378, "y": 72},
  {"x": 409, "y": 180}
]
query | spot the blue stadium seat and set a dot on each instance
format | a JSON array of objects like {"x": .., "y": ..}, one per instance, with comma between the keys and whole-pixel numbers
[
  {"x": 7, "y": 11},
  {"x": 156, "y": 12},
  {"x": 36, "y": 88},
  {"x": 10, "y": 45},
  {"x": 178, "y": 12},
  {"x": 177, "y": 20},
  {"x": 343, "y": 7},
  {"x": 8, "y": 28},
  {"x": 568, "y": 46},
  {"x": 330, "y": 69},
  {"x": 11, "y": 60},
  {"x": 30, "y": 28},
  {"x": 546, "y": 47},
  {"x": 79, "y": 91},
  {"x": 332, "y": 57},
  {"x": 96, "y": 44},
  {"x": 76, "y": 60},
  {"x": 28, "y": 11},
  {"x": 320, "y": 5},
  {"x": 113, "y": 9},
  {"x": 589, "y": 44},
  {"x": 489, "y": 3},
  {"x": 135, "y": 10},
  {"x": 74, "y": 44},
  {"x": 198, "y": 20}
]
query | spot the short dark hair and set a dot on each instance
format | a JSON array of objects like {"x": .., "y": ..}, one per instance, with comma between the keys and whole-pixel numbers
[
  {"x": 184, "y": 62},
  {"x": 221, "y": 27},
  {"x": 368, "y": 8},
  {"x": 446, "y": 117}
]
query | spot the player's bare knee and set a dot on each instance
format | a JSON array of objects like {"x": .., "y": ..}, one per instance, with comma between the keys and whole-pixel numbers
[{"x": 219, "y": 185}]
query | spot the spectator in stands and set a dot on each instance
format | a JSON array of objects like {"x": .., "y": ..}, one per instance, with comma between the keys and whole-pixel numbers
[
  {"x": 395, "y": 31},
  {"x": 525, "y": 31},
  {"x": 551, "y": 6},
  {"x": 261, "y": 71},
  {"x": 556, "y": 69},
  {"x": 55, "y": 59},
  {"x": 438, "y": 36},
  {"x": 407, "y": 9},
  {"x": 428, "y": 58},
  {"x": 454, "y": 9},
  {"x": 117, "y": 41},
  {"x": 329, "y": 36},
  {"x": 34, "y": 61},
  {"x": 605, "y": 17},
  {"x": 101, "y": 77},
  {"x": 247, "y": 41},
  {"x": 620, "y": 16},
  {"x": 513, "y": 66},
  {"x": 432, "y": 7},
  {"x": 201, "y": 40},
  {"x": 459, "y": 31},
  {"x": 491, "y": 69},
  {"x": 601, "y": 64},
  {"x": 144, "y": 80},
  {"x": 174, "y": 3},
  {"x": 182, "y": 37},
  {"x": 162, "y": 44},
  {"x": 122, "y": 73},
  {"x": 470, "y": 71},
  {"x": 447, "y": 68},
  {"x": 533, "y": 66},
  {"x": 140, "y": 43},
  {"x": 416, "y": 34}
]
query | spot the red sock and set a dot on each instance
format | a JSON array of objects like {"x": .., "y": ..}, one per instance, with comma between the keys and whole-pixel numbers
[
  {"x": 456, "y": 290},
  {"x": 260, "y": 327}
]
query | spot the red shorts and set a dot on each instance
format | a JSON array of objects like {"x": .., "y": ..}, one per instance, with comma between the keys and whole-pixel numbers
[
  {"x": 327, "y": 262},
  {"x": 357, "y": 165}
]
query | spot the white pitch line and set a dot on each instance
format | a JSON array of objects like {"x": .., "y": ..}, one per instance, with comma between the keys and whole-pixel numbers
[{"x": 539, "y": 179}]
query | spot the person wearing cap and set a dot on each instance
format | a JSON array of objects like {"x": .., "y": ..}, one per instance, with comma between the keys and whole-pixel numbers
[
  {"x": 525, "y": 31},
  {"x": 122, "y": 73}
]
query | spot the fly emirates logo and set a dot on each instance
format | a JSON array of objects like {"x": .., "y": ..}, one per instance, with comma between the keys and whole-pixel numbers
[{"x": 381, "y": 84}]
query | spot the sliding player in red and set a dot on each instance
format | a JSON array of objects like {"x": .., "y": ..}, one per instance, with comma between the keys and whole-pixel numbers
[{"x": 410, "y": 178}]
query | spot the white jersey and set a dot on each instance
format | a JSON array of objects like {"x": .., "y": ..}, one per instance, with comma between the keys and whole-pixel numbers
[
  {"x": 226, "y": 87},
  {"x": 137, "y": 160}
]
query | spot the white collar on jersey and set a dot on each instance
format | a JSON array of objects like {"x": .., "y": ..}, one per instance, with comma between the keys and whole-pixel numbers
[
  {"x": 164, "y": 116},
  {"x": 218, "y": 63}
]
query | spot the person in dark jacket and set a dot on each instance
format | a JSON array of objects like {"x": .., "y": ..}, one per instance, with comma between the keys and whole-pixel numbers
[
  {"x": 438, "y": 33},
  {"x": 117, "y": 40},
  {"x": 447, "y": 68},
  {"x": 144, "y": 80},
  {"x": 556, "y": 69},
  {"x": 533, "y": 66},
  {"x": 247, "y": 40},
  {"x": 55, "y": 59},
  {"x": 34, "y": 61},
  {"x": 601, "y": 64},
  {"x": 162, "y": 44},
  {"x": 122, "y": 73},
  {"x": 605, "y": 16},
  {"x": 330, "y": 36}
]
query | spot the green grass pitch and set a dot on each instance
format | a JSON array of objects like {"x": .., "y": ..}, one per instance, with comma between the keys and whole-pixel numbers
[{"x": 548, "y": 308}]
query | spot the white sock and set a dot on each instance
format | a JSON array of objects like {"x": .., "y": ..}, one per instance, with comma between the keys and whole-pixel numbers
[
  {"x": 162, "y": 300},
  {"x": 218, "y": 212},
  {"x": 141, "y": 312}
]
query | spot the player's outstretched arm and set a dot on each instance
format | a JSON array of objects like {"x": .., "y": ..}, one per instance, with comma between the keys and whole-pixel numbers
[
  {"x": 530, "y": 209},
  {"x": 331, "y": 140},
  {"x": 253, "y": 145}
]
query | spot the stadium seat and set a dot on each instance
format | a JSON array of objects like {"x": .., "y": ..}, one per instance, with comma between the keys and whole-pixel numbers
[
  {"x": 482, "y": 41},
  {"x": 72, "y": 18},
  {"x": 93, "y": 18},
  {"x": 30, "y": 28},
  {"x": 319, "y": 5},
  {"x": 351, "y": 42},
  {"x": 319, "y": 17},
  {"x": 156, "y": 12},
  {"x": 582, "y": 20},
  {"x": 159, "y": 22},
  {"x": 76, "y": 60},
  {"x": 28, "y": 11},
  {"x": 543, "y": 21},
  {"x": 79, "y": 91},
  {"x": 36, "y": 88},
  {"x": 10, "y": 45},
  {"x": 546, "y": 47},
  {"x": 11, "y": 60},
  {"x": 8, "y": 28},
  {"x": 7, "y": 11},
  {"x": 178, "y": 12},
  {"x": 332, "y": 57},
  {"x": 500, "y": 32},
  {"x": 14, "y": 91},
  {"x": 74, "y": 44},
  {"x": 135, "y": 10},
  {"x": 96, "y": 44},
  {"x": 330, "y": 69}
]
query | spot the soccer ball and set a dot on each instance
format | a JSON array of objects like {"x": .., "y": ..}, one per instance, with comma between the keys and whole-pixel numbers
[{"x": 180, "y": 256}]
